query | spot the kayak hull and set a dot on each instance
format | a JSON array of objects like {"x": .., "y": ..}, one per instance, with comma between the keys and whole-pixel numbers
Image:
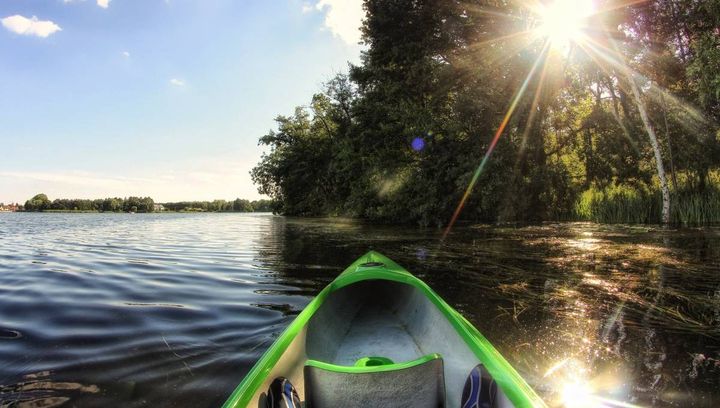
[{"x": 376, "y": 308}]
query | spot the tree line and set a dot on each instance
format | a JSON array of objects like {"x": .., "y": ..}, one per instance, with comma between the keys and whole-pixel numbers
[
  {"x": 41, "y": 202},
  {"x": 237, "y": 205},
  {"x": 619, "y": 127}
]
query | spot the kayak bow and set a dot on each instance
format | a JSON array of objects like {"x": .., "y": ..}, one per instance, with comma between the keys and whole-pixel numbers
[{"x": 378, "y": 326}]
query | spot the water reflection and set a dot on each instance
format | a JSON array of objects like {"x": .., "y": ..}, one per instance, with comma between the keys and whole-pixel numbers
[
  {"x": 38, "y": 390},
  {"x": 173, "y": 310}
]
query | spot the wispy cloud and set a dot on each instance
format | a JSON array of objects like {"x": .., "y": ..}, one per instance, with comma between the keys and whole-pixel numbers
[
  {"x": 343, "y": 18},
  {"x": 177, "y": 82},
  {"x": 101, "y": 3},
  {"x": 73, "y": 184},
  {"x": 126, "y": 54},
  {"x": 203, "y": 178},
  {"x": 76, "y": 178},
  {"x": 30, "y": 26}
]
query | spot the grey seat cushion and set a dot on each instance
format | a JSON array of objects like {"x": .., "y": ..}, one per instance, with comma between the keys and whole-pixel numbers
[{"x": 417, "y": 386}]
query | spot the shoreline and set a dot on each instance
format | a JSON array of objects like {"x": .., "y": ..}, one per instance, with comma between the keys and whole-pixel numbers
[
  {"x": 125, "y": 212},
  {"x": 375, "y": 222}
]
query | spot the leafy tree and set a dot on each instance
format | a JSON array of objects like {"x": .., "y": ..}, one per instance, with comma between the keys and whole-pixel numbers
[
  {"x": 39, "y": 202},
  {"x": 262, "y": 206},
  {"x": 242, "y": 206},
  {"x": 112, "y": 205}
]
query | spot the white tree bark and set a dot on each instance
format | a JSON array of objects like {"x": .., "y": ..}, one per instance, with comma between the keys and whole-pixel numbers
[{"x": 656, "y": 148}]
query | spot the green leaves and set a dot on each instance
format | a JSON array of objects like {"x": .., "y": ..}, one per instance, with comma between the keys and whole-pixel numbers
[{"x": 445, "y": 72}]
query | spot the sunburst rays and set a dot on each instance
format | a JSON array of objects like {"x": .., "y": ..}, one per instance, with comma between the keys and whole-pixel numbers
[{"x": 586, "y": 33}]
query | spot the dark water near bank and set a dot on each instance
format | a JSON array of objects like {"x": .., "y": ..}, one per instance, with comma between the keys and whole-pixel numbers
[{"x": 173, "y": 309}]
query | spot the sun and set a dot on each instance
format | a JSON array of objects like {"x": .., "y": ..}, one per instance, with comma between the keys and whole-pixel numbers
[
  {"x": 564, "y": 21},
  {"x": 578, "y": 395}
]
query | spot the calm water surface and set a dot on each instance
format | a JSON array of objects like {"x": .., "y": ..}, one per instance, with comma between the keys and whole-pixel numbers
[{"x": 173, "y": 309}]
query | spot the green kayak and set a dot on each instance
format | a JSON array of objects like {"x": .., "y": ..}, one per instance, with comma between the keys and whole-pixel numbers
[{"x": 377, "y": 336}]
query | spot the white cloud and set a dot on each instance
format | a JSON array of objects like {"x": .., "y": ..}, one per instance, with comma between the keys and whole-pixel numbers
[
  {"x": 306, "y": 8},
  {"x": 30, "y": 26},
  {"x": 126, "y": 54},
  {"x": 343, "y": 18},
  {"x": 177, "y": 82}
]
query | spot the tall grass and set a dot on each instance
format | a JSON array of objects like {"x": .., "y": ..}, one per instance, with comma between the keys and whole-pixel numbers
[
  {"x": 633, "y": 205},
  {"x": 697, "y": 208}
]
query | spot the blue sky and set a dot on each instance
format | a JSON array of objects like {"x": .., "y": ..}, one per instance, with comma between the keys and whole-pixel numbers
[{"x": 165, "y": 98}]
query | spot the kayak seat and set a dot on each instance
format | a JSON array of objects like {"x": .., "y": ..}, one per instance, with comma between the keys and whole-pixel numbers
[{"x": 418, "y": 383}]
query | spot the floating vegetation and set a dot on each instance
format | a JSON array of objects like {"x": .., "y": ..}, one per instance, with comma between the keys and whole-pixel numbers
[{"x": 40, "y": 390}]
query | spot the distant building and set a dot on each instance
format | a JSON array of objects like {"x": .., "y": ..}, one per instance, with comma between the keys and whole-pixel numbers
[
  {"x": 10, "y": 207},
  {"x": 158, "y": 207}
]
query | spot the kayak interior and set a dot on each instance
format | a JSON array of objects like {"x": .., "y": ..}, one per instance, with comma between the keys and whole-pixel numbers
[{"x": 394, "y": 321}]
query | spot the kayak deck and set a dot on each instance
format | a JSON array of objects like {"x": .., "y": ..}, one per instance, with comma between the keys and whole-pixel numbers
[{"x": 373, "y": 333}]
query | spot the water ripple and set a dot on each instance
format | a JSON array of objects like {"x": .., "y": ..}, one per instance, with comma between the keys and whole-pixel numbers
[{"x": 173, "y": 309}]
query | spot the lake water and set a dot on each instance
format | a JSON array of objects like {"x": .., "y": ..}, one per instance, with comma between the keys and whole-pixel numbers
[{"x": 173, "y": 309}]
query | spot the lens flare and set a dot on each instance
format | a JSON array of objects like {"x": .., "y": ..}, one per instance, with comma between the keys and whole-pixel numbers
[
  {"x": 563, "y": 21},
  {"x": 495, "y": 139}
]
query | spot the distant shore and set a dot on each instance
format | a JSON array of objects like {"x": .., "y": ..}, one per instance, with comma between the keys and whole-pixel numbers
[
  {"x": 41, "y": 203},
  {"x": 130, "y": 212}
]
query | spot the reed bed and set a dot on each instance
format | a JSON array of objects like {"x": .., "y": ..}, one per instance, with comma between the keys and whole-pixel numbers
[{"x": 623, "y": 204}]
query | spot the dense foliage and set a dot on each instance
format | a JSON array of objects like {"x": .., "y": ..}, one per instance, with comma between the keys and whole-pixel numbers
[
  {"x": 237, "y": 205},
  {"x": 40, "y": 202},
  {"x": 399, "y": 138}
]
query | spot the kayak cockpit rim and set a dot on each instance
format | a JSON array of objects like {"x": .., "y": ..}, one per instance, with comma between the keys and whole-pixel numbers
[{"x": 375, "y": 266}]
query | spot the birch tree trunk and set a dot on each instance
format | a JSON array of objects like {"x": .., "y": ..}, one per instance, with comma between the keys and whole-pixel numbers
[
  {"x": 673, "y": 175},
  {"x": 656, "y": 148}
]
